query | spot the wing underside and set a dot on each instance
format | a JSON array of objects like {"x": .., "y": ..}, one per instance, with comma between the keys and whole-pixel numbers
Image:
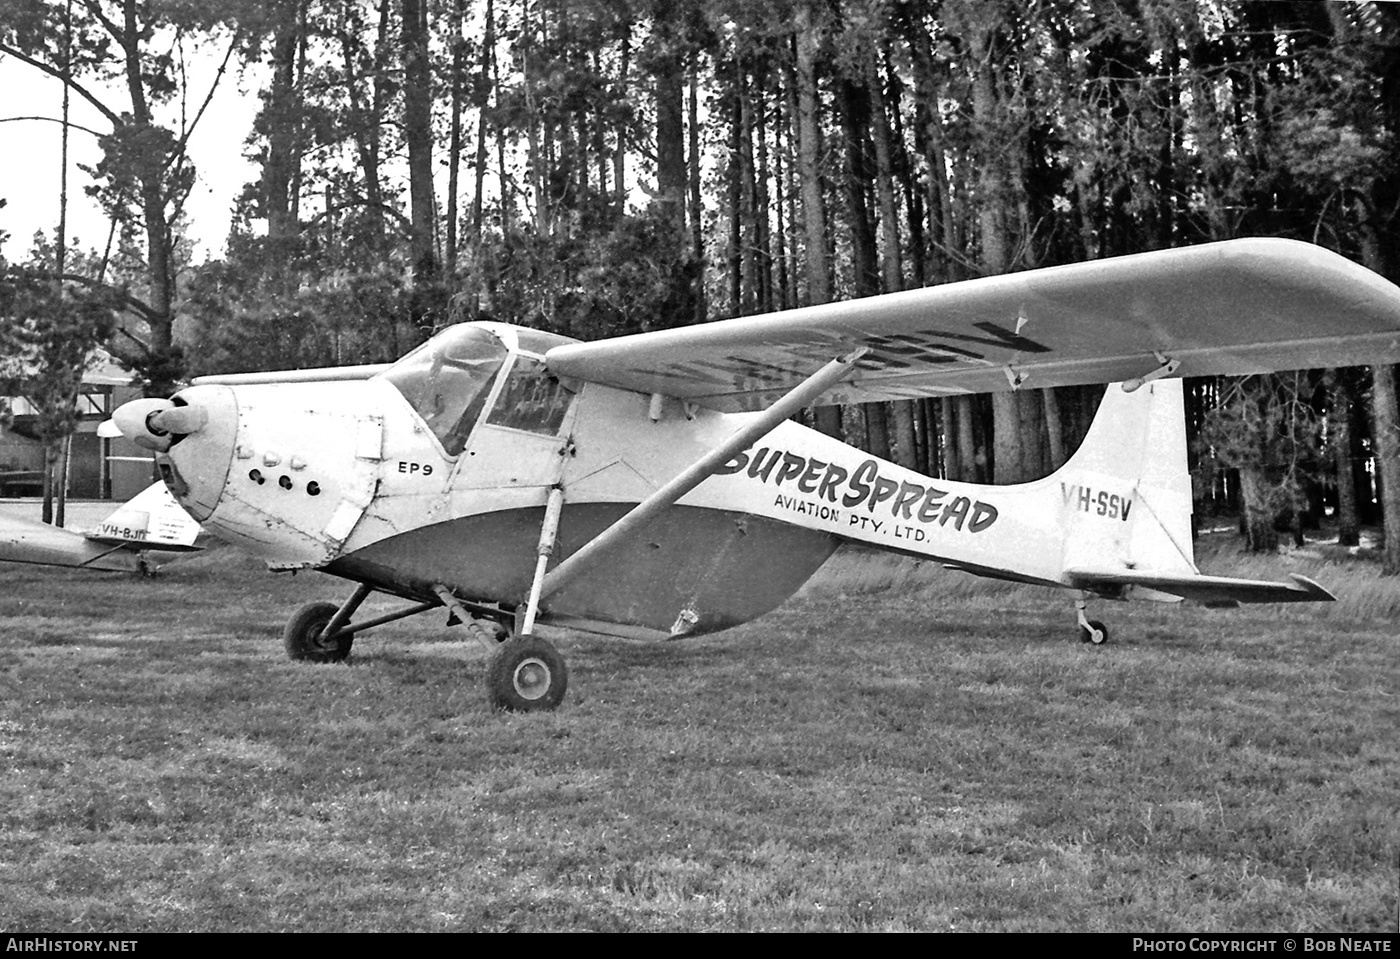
[{"x": 1232, "y": 308}]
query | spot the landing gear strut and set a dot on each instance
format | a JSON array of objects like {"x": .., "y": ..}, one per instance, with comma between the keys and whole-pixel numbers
[
  {"x": 322, "y": 632},
  {"x": 1091, "y": 631},
  {"x": 526, "y": 672}
]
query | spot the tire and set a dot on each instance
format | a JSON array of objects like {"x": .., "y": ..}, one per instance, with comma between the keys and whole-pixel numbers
[
  {"x": 1097, "y": 637},
  {"x": 526, "y": 675},
  {"x": 303, "y": 638}
]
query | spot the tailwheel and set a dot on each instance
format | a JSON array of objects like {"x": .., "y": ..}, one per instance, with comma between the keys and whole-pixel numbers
[
  {"x": 305, "y": 636},
  {"x": 526, "y": 674},
  {"x": 1093, "y": 631}
]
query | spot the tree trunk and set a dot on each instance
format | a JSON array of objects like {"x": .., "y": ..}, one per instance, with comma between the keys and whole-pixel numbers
[
  {"x": 50, "y": 463},
  {"x": 952, "y": 461},
  {"x": 1054, "y": 428},
  {"x": 762, "y": 241},
  {"x": 365, "y": 122},
  {"x": 818, "y": 272},
  {"x": 482, "y": 101},
  {"x": 668, "y": 67},
  {"x": 1009, "y": 412},
  {"x": 1339, "y": 423},
  {"x": 60, "y": 493},
  {"x": 855, "y": 124},
  {"x": 697, "y": 238},
  {"x": 283, "y": 117},
  {"x": 418, "y": 136},
  {"x": 1386, "y": 433},
  {"x": 163, "y": 359},
  {"x": 735, "y": 183},
  {"x": 891, "y": 269},
  {"x": 1385, "y": 414},
  {"x": 748, "y": 189},
  {"x": 620, "y": 154},
  {"x": 877, "y": 432},
  {"x": 454, "y": 141},
  {"x": 668, "y": 61},
  {"x": 808, "y": 159},
  {"x": 1257, "y": 518}
]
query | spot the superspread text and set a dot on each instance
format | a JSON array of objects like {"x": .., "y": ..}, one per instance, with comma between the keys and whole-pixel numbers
[{"x": 863, "y": 488}]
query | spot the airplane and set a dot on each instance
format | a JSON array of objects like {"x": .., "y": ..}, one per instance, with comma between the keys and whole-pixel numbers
[
  {"x": 123, "y": 542},
  {"x": 654, "y": 484}
]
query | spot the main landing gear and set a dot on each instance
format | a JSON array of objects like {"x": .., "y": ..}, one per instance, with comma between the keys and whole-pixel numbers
[
  {"x": 526, "y": 672},
  {"x": 306, "y": 638},
  {"x": 1090, "y": 630}
]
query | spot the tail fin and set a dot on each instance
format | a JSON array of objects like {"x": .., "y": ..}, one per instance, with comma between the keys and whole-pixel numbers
[
  {"x": 1131, "y": 467},
  {"x": 149, "y": 520}
]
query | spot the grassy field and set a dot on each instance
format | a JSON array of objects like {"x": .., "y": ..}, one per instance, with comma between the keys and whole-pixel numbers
[{"x": 899, "y": 747}]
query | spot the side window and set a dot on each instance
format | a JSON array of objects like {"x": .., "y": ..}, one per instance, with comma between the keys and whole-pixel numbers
[{"x": 531, "y": 400}]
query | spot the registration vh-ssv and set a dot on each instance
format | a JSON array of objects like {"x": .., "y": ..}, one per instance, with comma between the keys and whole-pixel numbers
[{"x": 655, "y": 484}]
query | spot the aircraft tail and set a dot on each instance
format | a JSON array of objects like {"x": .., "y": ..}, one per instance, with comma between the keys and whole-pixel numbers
[
  {"x": 29, "y": 541},
  {"x": 149, "y": 520},
  {"x": 1126, "y": 492},
  {"x": 1126, "y": 501}
]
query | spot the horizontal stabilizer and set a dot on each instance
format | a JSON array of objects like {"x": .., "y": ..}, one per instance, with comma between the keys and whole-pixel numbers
[
  {"x": 24, "y": 541},
  {"x": 1211, "y": 590}
]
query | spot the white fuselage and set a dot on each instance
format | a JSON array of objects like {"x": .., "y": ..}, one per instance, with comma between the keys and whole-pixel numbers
[{"x": 347, "y": 476}]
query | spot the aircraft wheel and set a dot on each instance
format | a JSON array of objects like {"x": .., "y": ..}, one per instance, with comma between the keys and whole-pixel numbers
[
  {"x": 526, "y": 675},
  {"x": 303, "y": 637},
  {"x": 1096, "y": 634}
]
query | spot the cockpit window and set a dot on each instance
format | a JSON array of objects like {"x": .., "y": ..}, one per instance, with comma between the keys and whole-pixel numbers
[
  {"x": 531, "y": 399},
  {"x": 448, "y": 380}
]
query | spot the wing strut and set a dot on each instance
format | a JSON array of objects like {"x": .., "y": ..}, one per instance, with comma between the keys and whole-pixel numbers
[{"x": 644, "y": 512}]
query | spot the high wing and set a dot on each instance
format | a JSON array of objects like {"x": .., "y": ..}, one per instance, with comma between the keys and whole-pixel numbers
[{"x": 1236, "y": 307}]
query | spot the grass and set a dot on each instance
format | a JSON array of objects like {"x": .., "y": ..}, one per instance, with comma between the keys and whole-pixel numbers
[{"x": 898, "y": 747}]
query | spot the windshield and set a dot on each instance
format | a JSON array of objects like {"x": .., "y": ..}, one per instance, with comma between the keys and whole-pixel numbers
[{"x": 448, "y": 379}]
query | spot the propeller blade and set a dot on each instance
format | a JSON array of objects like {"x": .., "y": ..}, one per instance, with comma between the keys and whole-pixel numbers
[
  {"x": 180, "y": 420},
  {"x": 108, "y": 429},
  {"x": 131, "y": 420}
]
